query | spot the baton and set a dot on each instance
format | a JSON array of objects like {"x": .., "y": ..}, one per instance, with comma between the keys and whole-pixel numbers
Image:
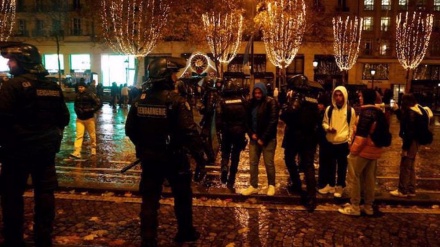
[{"x": 131, "y": 165}]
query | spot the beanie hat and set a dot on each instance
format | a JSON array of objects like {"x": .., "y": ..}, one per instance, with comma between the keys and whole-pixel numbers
[{"x": 82, "y": 83}]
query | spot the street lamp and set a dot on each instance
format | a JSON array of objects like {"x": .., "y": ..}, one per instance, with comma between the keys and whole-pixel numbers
[
  {"x": 372, "y": 72},
  {"x": 315, "y": 68}
]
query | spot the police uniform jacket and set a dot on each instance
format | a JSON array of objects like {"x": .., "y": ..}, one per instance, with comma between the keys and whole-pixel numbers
[
  {"x": 302, "y": 122},
  {"x": 33, "y": 115},
  {"x": 233, "y": 117},
  {"x": 161, "y": 122}
]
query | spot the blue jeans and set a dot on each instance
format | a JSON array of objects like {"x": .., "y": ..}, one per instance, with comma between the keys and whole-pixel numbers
[{"x": 268, "y": 151}]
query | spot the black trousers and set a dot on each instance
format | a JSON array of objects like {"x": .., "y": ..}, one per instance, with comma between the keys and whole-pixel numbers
[
  {"x": 13, "y": 177},
  {"x": 179, "y": 177},
  {"x": 334, "y": 159},
  {"x": 306, "y": 154},
  {"x": 231, "y": 147}
]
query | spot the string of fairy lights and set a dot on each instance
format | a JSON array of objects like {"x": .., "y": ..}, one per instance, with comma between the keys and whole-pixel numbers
[
  {"x": 223, "y": 34},
  {"x": 7, "y": 18},
  {"x": 133, "y": 27},
  {"x": 347, "y": 39},
  {"x": 282, "y": 23},
  {"x": 413, "y": 33}
]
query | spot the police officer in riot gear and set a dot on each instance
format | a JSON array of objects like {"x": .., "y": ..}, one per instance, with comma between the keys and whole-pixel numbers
[
  {"x": 160, "y": 124},
  {"x": 301, "y": 115},
  {"x": 233, "y": 126},
  {"x": 33, "y": 115}
]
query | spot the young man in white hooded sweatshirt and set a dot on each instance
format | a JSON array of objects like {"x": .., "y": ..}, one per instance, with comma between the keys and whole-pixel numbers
[{"x": 339, "y": 126}]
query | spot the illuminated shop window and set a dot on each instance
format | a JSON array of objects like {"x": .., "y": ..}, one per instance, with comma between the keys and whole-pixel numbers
[{"x": 51, "y": 62}]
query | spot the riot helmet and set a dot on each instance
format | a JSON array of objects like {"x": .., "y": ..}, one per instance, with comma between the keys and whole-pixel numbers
[
  {"x": 232, "y": 87},
  {"x": 160, "y": 70},
  {"x": 26, "y": 55}
]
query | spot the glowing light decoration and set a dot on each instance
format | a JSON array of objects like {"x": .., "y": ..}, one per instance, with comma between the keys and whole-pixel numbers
[
  {"x": 347, "y": 39},
  {"x": 133, "y": 27},
  {"x": 282, "y": 23},
  {"x": 7, "y": 18},
  {"x": 223, "y": 33},
  {"x": 413, "y": 33}
]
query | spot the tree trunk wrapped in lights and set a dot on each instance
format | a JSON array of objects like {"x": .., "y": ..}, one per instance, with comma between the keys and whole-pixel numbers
[
  {"x": 283, "y": 24},
  {"x": 347, "y": 39},
  {"x": 7, "y": 18},
  {"x": 223, "y": 33},
  {"x": 133, "y": 27},
  {"x": 412, "y": 39}
]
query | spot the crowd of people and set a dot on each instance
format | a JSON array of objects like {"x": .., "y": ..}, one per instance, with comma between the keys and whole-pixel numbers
[{"x": 161, "y": 125}]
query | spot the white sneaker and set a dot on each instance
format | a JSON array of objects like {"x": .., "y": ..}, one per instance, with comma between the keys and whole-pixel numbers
[
  {"x": 327, "y": 189},
  {"x": 350, "y": 210},
  {"x": 250, "y": 190},
  {"x": 93, "y": 152},
  {"x": 271, "y": 190},
  {"x": 338, "y": 192},
  {"x": 397, "y": 193},
  {"x": 368, "y": 210}
]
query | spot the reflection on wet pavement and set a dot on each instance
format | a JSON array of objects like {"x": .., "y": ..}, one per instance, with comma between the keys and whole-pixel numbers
[{"x": 115, "y": 151}]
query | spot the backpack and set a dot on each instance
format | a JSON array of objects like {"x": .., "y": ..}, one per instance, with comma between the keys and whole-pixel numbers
[
  {"x": 381, "y": 135},
  {"x": 330, "y": 111},
  {"x": 423, "y": 135}
]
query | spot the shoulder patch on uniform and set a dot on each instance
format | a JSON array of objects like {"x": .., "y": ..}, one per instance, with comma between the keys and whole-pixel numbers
[
  {"x": 188, "y": 107},
  {"x": 26, "y": 84}
]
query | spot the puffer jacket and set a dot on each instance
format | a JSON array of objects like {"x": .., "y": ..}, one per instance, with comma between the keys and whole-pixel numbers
[{"x": 362, "y": 144}]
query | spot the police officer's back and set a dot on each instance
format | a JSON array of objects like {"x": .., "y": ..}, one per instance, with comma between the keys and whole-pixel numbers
[
  {"x": 161, "y": 124},
  {"x": 233, "y": 126},
  {"x": 33, "y": 114}
]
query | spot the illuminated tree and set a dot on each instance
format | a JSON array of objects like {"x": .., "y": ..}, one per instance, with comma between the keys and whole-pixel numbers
[
  {"x": 223, "y": 32},
  {"x": 282, "y": 23},
  {"x": 7, "y": 18},
  {"x": 412, "y": 39},
  {"x": 347, "y": 38},
  {"x": 133, "y": 27}
]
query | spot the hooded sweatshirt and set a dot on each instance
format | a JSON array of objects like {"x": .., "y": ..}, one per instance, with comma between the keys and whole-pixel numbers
[{"x": 338, "y": 121}]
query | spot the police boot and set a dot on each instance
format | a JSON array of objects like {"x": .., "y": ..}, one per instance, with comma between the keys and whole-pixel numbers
[
  {"x": 189, "y": 235},
  {"x": 224, "y": 175}
]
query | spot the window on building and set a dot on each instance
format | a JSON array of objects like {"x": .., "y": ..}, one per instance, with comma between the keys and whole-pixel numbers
[
  {"x": 384, "y": 49},
  {"x": 368, "y": 4},
  {"x": 21, "y": 28},
  {"x": 368, "y": 23},
  {"x": 76, "y": 26},
  {"x": 421, "y": 4},
  {"x": 39, "y": 5},
  {"x": 436, "y": 5},
  {"x": 39, "y": 28},
  {"x": 386, "y": 4},
  {"x": 117, "y": 68},
  {"x": 297, "y": 65},
  {"x": 51, "y": 62},
  {"x": 403, "y": 4},
  {"x": 385, "y": 23},
  {"x": 368, "y": 48},
  {"x": 76, "y": 4},
  {"x": 436, "y": 25},
  {"x": 80, "y": 62}
]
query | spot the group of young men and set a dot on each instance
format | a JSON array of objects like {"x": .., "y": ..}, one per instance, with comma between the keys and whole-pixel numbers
[{"x": 160, "y": 123}]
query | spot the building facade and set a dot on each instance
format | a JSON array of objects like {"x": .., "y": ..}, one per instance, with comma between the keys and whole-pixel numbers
[{"x": 75, "y": 25}]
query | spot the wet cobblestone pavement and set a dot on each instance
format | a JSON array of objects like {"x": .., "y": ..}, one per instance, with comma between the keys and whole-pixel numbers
[
  {"x": 98, "y": 206},
  {"x": 107, "y": 220},
  {"x": 102, "y": 172}
]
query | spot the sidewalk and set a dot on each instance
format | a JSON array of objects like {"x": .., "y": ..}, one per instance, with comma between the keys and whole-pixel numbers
[{"x": 115, "y": 151}]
